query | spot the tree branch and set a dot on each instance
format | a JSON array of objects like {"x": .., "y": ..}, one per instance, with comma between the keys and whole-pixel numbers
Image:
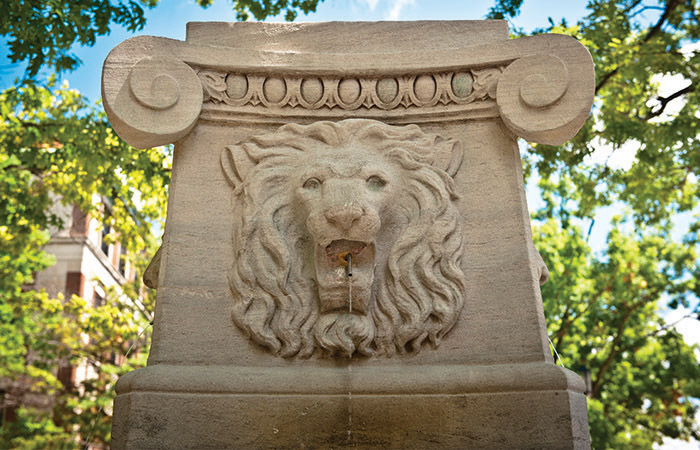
[
  {"x": 631, "y": 7},
  {"x": 645, "y": 8},
  {"x": 33, "y": 170},
  {"x": 664, "y": 101},
  {"x": 613, "y": 350},
  {"x": 636, "y": 343},
  {"x": 611, "y": 355},
  {"x": 605, "y": 79},
  {"x": 672, "y": 5},
  {"x": 566, "y": 324}
]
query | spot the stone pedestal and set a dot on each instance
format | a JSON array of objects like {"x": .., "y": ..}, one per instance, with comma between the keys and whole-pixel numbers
[{"x": 297, "y": 145}]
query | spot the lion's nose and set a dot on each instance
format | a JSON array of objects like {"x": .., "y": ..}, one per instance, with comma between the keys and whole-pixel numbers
[{"x": 344, "y": 216}]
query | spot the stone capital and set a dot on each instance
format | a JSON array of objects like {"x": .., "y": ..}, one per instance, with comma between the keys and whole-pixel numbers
[{"x": 155, "y": 89}]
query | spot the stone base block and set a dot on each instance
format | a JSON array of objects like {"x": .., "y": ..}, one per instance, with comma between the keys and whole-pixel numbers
[{"x": 486, "y": 416}]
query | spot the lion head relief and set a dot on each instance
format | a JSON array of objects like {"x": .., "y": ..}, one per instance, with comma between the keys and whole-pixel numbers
[{"x": 311, "y": 200}]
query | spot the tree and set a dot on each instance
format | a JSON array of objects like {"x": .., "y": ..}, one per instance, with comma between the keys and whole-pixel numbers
[
  {"x": 603, "y": 314},
  {"x": 41, "y": 33},
  {"x": 604, "y": 311},
  {"x": 56, "y": 146}
]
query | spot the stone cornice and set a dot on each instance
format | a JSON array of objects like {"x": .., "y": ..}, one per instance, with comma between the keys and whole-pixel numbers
[
  {"x": 155, "y": 89},
  {"x": 429, "y": 380}
]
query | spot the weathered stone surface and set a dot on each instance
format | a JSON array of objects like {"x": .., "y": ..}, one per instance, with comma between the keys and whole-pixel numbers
[
  {"x": 354, "y": 234},
  {"x": 298, "y": 145}
]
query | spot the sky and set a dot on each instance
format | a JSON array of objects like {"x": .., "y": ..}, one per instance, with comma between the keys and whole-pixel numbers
[{"x": 168, "y": 19}]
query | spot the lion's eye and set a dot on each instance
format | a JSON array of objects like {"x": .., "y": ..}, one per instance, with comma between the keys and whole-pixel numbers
[
  {"x": 375, "y": 183},
  {"x": 312, "y": 183}
]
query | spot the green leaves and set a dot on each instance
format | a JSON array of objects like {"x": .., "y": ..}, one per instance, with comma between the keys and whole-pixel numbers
[
  {"x": 262, "y": 9},
  {"x": 56, "y": 148},
  {"x": 41, "y": 33},
  {"x": 54, "y": 142},
  {"x": 639, "y": 153},
  {"x": 605, "y": 313},
  {"x": 503, "y": 9},
  {"x": 634, "y": 45}
]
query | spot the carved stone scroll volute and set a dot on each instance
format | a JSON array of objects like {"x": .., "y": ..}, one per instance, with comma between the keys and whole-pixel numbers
[
  {"x": 159, "y": 99},
  {"x": 544, "y": 99}
]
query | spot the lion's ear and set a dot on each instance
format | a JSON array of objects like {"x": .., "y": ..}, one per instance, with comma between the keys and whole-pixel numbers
[
  {"x": 236, "y": 164},
  {"x": 456, "y": 157}
]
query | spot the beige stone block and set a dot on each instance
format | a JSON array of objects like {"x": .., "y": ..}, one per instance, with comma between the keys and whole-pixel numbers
[{"x": 304, "y": 150}]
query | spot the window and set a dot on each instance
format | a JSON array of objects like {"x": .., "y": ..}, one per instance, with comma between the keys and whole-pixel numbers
[
  {"x": 105, "y": 245},
  {"x": 2, "y": 407},
  {"x": 122, "y": 261},
  {"x": 66, "y": 375},
  {"x": 97, "y": 300}
]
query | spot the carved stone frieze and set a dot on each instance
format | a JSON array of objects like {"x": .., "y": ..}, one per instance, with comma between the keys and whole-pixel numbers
[
  {"x": 346, "y": 238},
  {"x": 349, "y": 93}
]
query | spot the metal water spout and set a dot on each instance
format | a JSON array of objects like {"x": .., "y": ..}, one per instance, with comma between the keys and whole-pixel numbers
[{"x": 346, "y": 260}]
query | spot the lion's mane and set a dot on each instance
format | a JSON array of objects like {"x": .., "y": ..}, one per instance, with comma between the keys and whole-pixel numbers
[{"x": 421, "y": 293}]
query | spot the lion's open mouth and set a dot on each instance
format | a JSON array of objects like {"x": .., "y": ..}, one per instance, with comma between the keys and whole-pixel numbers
[{"x": 332, "y": 273}]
